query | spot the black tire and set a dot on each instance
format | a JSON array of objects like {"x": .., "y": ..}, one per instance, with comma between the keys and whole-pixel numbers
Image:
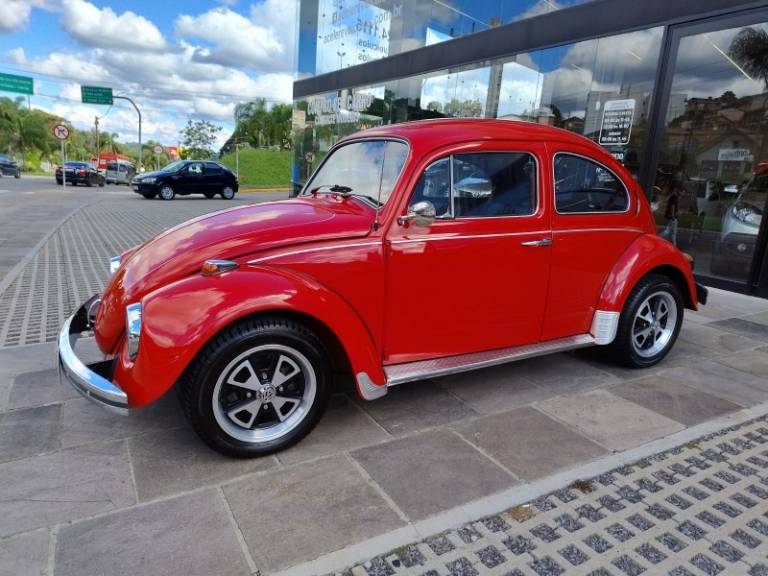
[
  {"x": 214, "y": 367},
  {"x": 228, "y": 193},
  {"x": 622, "y": 349},
  {"x": 148, "y": 195},
  {"x": 167, "y": 193},
  {"x": 89, "y": 183},
  {"x": 18, "y": 175},
  {"x": 209, "y": 195}
]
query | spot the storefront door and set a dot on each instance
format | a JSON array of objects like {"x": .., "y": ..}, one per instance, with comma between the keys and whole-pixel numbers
[{"x": 711, "y": 180}]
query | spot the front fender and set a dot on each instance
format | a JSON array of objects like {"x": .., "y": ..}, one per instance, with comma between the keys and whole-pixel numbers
[
  {"x": 180, "y": 318},
  {"x": 646, "y": 253}
]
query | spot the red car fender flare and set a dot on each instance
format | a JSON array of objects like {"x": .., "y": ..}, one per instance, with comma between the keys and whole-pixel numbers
[
  {"x": 180, "y": 318},
  {"x": 647, "y": 253}
]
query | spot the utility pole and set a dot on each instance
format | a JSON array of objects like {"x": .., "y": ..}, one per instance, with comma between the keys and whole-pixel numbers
[
  {"x": 98, "y": 147},
  {"x": 139, "y": 113}
]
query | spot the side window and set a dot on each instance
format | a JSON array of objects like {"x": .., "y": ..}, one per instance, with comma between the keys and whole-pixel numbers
[
  {"x": 435, "y": 186},
  {"x": 212, "y": 168},
  {"x": 494, "y": 184},
  {"x": 583, "y": 186},
  {"x": 195, "y": 168}
]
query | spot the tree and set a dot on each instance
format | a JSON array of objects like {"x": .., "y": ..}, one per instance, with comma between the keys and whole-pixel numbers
[
  {"x": 463, "y": 108},
  {"x": 198, "y": 137},
  {"x": 750, "y": 49}
]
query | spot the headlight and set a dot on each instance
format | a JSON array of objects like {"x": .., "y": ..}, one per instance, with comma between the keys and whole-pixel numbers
[
  {"x": 747, "y": 214},
  {"x": 133, "y": 328},
  {"x": 148, "y": 180},
  {"x": 114, "y": 264}
]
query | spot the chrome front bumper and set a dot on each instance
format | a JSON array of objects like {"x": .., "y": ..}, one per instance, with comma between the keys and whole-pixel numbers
[{"x": 93, "y": 380}]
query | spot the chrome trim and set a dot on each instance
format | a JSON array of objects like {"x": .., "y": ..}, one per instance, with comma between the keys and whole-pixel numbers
[
  {"x": 408, "y": 372},
  {"x": 221, "y": 265},
  {"x": 554, "y": 185},
  {"x": 91, "y": 309},
  {"x": 604, "y": 326},
  {"x": 537, "y": 243},
  {"x": 310, "y": 250},
  {"x": 613, "y": 229},
  {"x": 467, "y": 236},
  {"x": 114, "y": 264},
  {"x": 133, "y": 328},
  {"x": 87, "y": 382},
  {"x": 369, "y": 390}
]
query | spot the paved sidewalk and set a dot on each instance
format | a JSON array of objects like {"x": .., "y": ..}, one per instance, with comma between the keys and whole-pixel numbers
[{"x": 701, "y": 508}]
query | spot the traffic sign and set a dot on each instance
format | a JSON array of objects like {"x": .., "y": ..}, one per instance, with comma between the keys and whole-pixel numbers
[
  {"x": 158, "y": 150},
  {"x": 96, "y": 95},
  {"x": 13, "y": 83},
  {"x": 309, "y": 157},
  {"x": 61, "y": 132}
]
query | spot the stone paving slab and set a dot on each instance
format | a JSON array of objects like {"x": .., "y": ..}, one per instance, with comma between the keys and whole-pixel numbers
[
  {"x": 25, "y": 555},
  {"x": 701, "y": 508}
]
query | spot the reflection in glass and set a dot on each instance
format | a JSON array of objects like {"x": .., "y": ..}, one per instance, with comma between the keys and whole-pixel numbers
[{"x": 712, "y": 177}]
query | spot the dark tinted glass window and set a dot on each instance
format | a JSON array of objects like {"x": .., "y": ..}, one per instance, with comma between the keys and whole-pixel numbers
[
  {"x": 583, "y": 186},
  {"x": 435, "y": 186},
  {"x": 494, "y": 184},
  {"x": 212, "y": 168}
]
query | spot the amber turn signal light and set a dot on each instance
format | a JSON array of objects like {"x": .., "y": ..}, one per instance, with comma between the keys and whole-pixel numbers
[{"x": 215, "y": 267}]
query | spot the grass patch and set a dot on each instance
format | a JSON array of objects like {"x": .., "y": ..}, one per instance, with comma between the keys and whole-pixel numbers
[{"x": 262, "y": 168}]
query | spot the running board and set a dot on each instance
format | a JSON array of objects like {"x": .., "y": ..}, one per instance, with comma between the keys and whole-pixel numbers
[{"x": 402, "y": 373}]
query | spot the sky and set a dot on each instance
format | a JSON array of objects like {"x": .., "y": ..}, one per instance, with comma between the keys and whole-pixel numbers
[{"x": 194, "y": 59}]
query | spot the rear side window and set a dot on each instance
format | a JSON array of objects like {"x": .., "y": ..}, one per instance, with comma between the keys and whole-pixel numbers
[
  {"x": 583, "y": 186},
  {"x": 212, "y": 168}
]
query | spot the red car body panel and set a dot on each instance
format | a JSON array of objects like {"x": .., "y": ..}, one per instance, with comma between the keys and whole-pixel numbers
[{"x": 390, "y": 293}]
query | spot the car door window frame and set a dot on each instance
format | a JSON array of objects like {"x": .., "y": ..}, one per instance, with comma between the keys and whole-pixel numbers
[
  {"x": 599, "y": 164},
  {"x": 451, "y": 214}
]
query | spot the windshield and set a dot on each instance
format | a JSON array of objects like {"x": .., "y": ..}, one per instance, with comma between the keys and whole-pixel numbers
[
  {"x": 369, "y": 169},
  {"x": 173, "y": 166}
]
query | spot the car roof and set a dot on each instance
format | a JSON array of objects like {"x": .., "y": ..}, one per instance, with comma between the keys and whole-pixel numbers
[{"x": 447, "y": 131}]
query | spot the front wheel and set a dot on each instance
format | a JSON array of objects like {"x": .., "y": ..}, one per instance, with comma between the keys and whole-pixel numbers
[
  {"x": 228, "y": 193},
  {"x": 257, "y": 388},
  {"x": 649, "y": 323},
  {"x": 167, "y": 193}
]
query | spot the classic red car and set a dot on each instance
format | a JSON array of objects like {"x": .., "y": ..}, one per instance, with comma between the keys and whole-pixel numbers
[{"x": 415, "y": 250}]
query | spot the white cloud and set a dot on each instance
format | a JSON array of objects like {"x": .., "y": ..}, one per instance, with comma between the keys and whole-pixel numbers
[
  {"x": 15, "y": 13},
  {"x": 104, "y": 28}
]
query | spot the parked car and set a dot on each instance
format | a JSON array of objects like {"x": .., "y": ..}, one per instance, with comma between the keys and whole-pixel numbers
[
  {"x": 119, "y": 172},
  {"x": 9, "y": 167},
  {"x": 188, "y": 177},
  {"x": 80, "y": 173},
  {"x": 250, "y": 311},
  {"x": 740, "y": 225}
]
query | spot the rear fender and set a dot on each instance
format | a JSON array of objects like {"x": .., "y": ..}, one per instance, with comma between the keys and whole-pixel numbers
[
  {"x": 646, "y": 254},
  {"x": 180, "y": 318}
]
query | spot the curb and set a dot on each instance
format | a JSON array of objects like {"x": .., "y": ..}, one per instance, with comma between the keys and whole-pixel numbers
[
  {"x": 495, "y": 503},
  {"x": 262, "y": 190}
]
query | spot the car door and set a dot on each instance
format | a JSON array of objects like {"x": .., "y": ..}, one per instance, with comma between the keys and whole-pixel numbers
[
  {"x": 594, "y": 221},
  {"x": 476, "y": 278},
  {"x": 192, "y": 179},
  {"x": 213, "y": 180}
]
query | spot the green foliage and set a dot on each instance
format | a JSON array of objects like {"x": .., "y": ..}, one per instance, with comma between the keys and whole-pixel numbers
[
  {"x": 259, "y": 167},
  {"x": 750, "y": 49},
  {"x": 197, "y": 139},
  {"x": 261, "y": 126}
]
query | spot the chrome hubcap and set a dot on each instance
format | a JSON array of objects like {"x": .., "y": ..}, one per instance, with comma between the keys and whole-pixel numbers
[
  {"x": 264, "y": 393},
  {"x": 228, "y": 192},
  {"x": 166, "y": 193},
  {"x": 654, "y": 324}
]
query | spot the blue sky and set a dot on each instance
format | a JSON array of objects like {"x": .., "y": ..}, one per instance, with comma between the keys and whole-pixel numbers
[{"x": 178, "y": 60}]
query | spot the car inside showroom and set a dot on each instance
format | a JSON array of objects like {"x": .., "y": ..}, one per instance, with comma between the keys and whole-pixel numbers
[{"x": 677, "y": 92}]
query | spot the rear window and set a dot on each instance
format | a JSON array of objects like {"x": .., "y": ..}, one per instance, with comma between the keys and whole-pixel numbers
[{"x": 583, "y": 186}]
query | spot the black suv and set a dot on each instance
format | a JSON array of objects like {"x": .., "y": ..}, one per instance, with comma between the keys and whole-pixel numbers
[
  {"x": 187, "y": 177},
  {"x": 8, "y": 167}
]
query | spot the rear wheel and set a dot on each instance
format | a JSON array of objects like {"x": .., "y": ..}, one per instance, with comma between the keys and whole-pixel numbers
[
  {"x": 167, "y": 193},
  {"x": 228, "y": 193},
  {"x": 257, "y": 388},
  {"x": 649, "y": 323}
]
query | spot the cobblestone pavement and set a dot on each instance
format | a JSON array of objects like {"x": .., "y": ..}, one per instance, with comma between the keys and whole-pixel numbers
[
  {"x": 73, "y": 263},
  {"x": 697, "y": 509}
]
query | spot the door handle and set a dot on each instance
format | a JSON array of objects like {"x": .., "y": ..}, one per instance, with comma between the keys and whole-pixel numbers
[{"x": 540, "y": 242}]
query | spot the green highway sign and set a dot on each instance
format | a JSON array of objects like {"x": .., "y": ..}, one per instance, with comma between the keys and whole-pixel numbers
[
  {"x": 96, "y": 95},
  {"x": 13, "y": 83}
]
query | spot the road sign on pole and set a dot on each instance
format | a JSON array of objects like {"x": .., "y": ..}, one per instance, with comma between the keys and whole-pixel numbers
[
  {"x": 13, "y": 83},
  {"x": 96, "y": 95},
  {"x": 157, "y": 149},
  {"x": 61, "y": 132}
]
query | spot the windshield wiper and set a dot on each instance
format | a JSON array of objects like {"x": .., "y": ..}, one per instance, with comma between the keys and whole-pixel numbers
[{"x": 336, "y": 188}]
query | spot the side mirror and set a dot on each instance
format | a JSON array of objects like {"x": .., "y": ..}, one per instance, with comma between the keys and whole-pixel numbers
[{"x": 421, "y": 214}]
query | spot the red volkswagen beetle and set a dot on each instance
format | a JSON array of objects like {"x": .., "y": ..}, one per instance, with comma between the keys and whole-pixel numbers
[{"x": 415, "y": 250}]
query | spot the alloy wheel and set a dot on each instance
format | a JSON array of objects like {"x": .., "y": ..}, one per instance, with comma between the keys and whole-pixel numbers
[
  {"x": 167, "y": 193},
  {"x": 264, "y": 393},
  {"x": 654, "y": 324},
  {"x": 227, "y": 193}
]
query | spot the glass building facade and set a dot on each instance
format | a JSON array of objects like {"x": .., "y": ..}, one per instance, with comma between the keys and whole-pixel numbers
[{"x": 678, "y": 92}]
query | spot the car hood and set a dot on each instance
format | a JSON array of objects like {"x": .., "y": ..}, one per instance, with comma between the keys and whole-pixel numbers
[
  {"x": 153, "y": 174},
  {"x": 230, "y": 234}
]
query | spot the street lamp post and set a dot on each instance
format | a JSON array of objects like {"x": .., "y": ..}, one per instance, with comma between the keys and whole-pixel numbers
[{"x": 139, "y": 113}]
